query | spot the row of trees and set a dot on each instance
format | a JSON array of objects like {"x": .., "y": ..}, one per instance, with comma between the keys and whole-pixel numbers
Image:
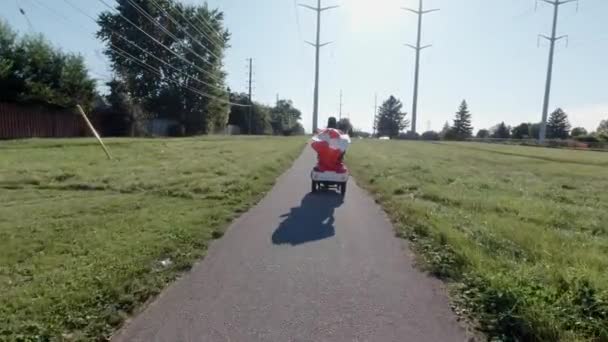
[
  {"x": 282, "y": 119},
  {"x": 558, "y": 127},
  {"x": 391, "y": 121},
  {"x": 32, "y": 71}
]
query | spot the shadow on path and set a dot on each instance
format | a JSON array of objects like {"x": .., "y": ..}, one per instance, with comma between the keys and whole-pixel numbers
[{"x": 313, "y": 220}]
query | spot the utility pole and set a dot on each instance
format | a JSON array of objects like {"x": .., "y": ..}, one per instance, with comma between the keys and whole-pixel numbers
[
  {"x": 420, "y": 12},
  {"x": 375, "y": 114},
  {"x": 250, "y": 102},
  {"x": 340, "y": 112},
  {"x": 317, "y": 46},
  {"x": 552, "y": 40}
]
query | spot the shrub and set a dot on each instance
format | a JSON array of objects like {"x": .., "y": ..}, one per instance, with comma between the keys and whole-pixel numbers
[{"x": 430, "y": 135}]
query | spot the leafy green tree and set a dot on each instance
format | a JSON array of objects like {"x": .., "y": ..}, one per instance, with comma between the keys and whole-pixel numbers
[
  {"x": 535, "y": 130},
  {"x": 578, "y": 132},
  {"x": 558, "y": 126},
  {"x": 483, "y": 134},
  {"x": 521, "y": 131},
  {"x": 462, "y": 129},
  {"x": 285, "y": 117},
  {"x": 390, "y": 120},
  {"x": 33, "y": 71},
  {"x": 603, "y": 127},
  {"x": 501, "y": 131},
  {"x": 166, "y": 89}
]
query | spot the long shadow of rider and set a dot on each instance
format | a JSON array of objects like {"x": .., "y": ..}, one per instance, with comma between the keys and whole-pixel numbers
[{"x": 313, "y": 220}]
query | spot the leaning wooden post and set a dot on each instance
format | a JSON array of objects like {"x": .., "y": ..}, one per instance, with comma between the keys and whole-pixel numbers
[{"x": 84, "y": 116}]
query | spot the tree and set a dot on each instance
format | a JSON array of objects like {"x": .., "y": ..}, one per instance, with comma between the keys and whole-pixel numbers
[
  {"x": 430, "y": 135},
  {"x": 483, "y": 134},
  {"x": 578, "y": 132},
  {"x": 33, "y": 71},
  {"x": 390, "y": 120},
  {"x": 357, "y": 133},
  {"x": 535, "y": 130},
  {"x": 462, "y": 129},
  {"x": 558, "y": 126},
  {"x": 284, "y": 117},
  {"x": 345, "y": 126},
  {"x": 521, "y": 131},
  {"x": 445, "y": 131},
  {"x": 603, "y": 127},
  {"x": 239, "y": 115},
  {"x": 501, "y": 131},
  {"x": 166, "y": 88}
]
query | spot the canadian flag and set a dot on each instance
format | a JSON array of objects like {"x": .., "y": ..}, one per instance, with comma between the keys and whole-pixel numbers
[{"x": 330, "y": 145}]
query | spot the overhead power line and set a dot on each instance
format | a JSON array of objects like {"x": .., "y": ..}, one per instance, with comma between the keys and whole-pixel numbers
[
  {"x": 152, "y": 69},
  {"x": 165, "y": 30},
  {"x": 205, "y": 23},
  {"x": 217, "y": 78},
  {"x": 182, "y": 14},
  {"x": 181, "y": 27},
  {"x": 153, "y": 55}
]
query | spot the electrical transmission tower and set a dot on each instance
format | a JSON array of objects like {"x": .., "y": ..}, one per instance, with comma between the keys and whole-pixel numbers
[
  {"x": 552, "y": 40},
  {"x": 420, "y": 12},
  {"x": 317, "y": 46}
]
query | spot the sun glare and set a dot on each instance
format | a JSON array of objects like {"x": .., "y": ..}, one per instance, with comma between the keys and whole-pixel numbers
[{"x": 373, "y": 12}]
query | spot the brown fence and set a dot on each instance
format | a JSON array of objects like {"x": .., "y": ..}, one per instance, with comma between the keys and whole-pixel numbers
[{"x": 20, "y": 121}]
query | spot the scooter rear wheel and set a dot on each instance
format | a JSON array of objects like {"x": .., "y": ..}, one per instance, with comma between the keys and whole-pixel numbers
[{"x": 315, "y": 186}]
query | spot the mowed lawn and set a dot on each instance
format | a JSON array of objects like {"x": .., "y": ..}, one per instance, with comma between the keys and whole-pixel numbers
[
  {"x": 520, "y": 232},
  {"x": 84, "y": 241}
]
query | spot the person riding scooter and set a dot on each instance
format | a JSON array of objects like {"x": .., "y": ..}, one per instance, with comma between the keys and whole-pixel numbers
[{"x": 330, "y": 145}]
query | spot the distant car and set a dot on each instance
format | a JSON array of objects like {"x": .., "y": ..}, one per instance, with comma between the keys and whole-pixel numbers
[{"x": 384, "y": 138}]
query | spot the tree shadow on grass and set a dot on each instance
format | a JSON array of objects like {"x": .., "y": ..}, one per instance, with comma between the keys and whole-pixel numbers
[{"x": 312, "y": 221}]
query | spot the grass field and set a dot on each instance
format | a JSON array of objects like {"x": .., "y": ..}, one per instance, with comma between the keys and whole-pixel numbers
[
  {"x": 520, "y": 232},
  {"x": 84, "y": 241}
]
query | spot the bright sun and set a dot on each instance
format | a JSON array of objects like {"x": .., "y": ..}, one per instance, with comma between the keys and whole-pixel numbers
[{"x": 372, "y": 12}]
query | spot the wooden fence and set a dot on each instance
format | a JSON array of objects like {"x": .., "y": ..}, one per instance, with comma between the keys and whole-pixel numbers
[{"x": 21, "y": 121}]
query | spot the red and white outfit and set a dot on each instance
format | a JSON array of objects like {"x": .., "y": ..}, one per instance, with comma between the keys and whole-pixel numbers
[{"x": 330, "y": 145}]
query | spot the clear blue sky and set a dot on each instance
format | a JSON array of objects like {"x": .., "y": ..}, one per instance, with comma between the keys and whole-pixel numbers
[{"x": 483, "y": 51}]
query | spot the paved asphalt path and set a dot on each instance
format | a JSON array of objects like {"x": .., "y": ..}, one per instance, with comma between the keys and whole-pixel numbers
[{"x": 302, "y": 267}]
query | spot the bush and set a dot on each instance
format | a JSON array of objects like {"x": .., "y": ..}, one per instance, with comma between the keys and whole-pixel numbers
[
  {"x": 587, "y": 138},
  {"x": 408, "y": 136},
  {"x": 430, "y": 135}
]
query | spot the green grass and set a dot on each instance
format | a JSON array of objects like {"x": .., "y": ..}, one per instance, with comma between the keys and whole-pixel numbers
[
  {"x": 82, "y": 238},
  {"x": 521, "y": 233}
]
